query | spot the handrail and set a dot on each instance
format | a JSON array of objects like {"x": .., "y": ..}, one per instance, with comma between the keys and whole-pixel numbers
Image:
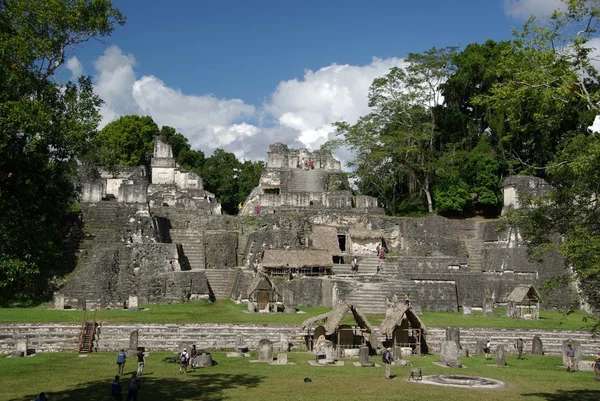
[
  {"x": 93, "y": 333},
  {"x": 82, "y": 330}
]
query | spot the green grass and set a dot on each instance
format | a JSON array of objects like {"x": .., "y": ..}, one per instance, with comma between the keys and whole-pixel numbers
[
  {"x": 226, "y": 311},
  {"x": 65, "y": 376}
]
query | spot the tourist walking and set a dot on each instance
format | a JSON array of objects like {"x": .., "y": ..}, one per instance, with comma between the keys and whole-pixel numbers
[
  {"x": 387, "y": 360},
  {"x": 597, "y": 367},
  {"x": 487, "y": 349},
  {"x": 141, "y": 358},
  {"x": 121, "y": 359},
  {"x": 116, "y": 390},
  {"x": 570, "y": 359},
  {"x": 133, "y": 387},
  {"x": 519, "y": 347},
  {"x": 193, "y": 355},
  {"x": 184, "y": 359}
]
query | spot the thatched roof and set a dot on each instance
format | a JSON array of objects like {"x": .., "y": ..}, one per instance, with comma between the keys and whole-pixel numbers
[
  {"x": 399, "y": 313},
  {"x": 260, "y": 281},
  {"x": 365, "y": 233},
  {"x": 297, "y": 258},
  {"x": 331, "y": 320},
  {"x": 524, "y": 292},
  {"x": 325, "y": 238}
]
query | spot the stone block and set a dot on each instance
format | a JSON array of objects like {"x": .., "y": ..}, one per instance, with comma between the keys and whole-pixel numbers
[
  {"x": 20, "y": 346},
  {"x": 251, "y": 307},
  {"x": 265, "y": 350},
  {"x": 282, "y": 359},
  {"x": 449, "y": 352},
  {"x": 467, "y": 311},
  {"x": 453, "y": 334},
  {"x": 363, "y": 355},
  {"x": 204, "y": 359},
  {"x": 133, "y": 302},
  {"x": 585, "y": 366},
  {"x": 284, "y": 342},
  {"x": 500, "y": 355},
  {"x": 59, "y": 300},
  {"x": 325, "y": 352},
  {"x": 536, "y": 347},
  {"x": 480, "y": 346},
  {"x": 133, "y": 342},
  {"x": 405, "y": 352},
  {"x": 81, "y": 304}
]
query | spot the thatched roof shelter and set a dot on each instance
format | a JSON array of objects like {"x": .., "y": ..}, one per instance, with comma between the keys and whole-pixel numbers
[
  {"x": 331, "y": 320},
  {"x": 263, "y": 282},
  {"x": 523, "y": 293},
  {"x": 364, "y": 233},
  {"x": 326, "y": 238},
  {"x": 395, "y": 318},
  {"x": 297, "y": 258}
]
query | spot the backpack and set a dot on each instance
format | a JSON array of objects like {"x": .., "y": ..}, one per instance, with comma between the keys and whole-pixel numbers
[
  {"x": 183, "y": 358},
  {"x": 385, "y": 358}
]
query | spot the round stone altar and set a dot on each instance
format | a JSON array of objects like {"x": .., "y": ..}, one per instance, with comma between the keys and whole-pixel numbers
[{"x": 461, "y": 381}]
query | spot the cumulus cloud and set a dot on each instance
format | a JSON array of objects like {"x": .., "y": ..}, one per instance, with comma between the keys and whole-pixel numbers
[
  {"x": 524, "y": 9},
  {"x": 74, "y": 65},
  {"x": 299, "y": 112}
]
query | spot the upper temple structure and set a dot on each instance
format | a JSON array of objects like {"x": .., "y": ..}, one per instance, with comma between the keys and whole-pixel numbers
[{"x": 297, "y": 179}]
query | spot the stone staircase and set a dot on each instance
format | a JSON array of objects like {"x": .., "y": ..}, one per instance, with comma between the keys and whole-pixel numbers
[
  {"x": 192, "y": 247},
  {"x": 370, "y": 294},
  {"x": 475, "y": 251},
  {"x": 367, "y": 266},
  {"x": 306, "y": 181},
  {"x": 220, "y": 282}
]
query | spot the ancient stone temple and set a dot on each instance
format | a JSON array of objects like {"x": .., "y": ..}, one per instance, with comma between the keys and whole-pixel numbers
[{"x": 297, "y": 179}]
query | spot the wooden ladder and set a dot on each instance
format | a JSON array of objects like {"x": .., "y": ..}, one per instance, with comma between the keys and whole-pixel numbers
[{"x": 87, "y": 334}]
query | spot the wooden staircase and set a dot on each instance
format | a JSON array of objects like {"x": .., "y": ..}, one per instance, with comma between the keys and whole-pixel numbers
[{"x": 87, "y": 334}]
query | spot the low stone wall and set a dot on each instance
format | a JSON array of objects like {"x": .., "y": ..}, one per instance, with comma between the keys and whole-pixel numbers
[{"x": 57, "y": 337}]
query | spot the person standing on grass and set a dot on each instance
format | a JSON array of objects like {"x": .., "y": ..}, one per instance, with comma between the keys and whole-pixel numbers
[
  {"x": 519, "y": 347},
  {"x": 141, "y": 358},
  {"x": 134, "y": 387},
  {"x": 121, "y": 359},
  {"x": 116, "y": 390},
  {"x": 193, "y": 355},
  {"x": 184, "y": 359},
  {"x": 387, "y": 360},
  {"x": 597, "y": 367},
  {"x": 570, "y": 359},
  {"x": 488, "y": 350}
]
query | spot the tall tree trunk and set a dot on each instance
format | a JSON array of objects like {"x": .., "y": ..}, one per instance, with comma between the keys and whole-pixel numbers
[{"x": 428, "y": 194}]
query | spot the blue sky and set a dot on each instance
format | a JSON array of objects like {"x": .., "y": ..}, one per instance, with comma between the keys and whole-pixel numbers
[{"x": 241, "y": 74}]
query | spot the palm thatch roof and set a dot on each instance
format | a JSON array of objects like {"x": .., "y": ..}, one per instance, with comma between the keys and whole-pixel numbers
[
  {"x": 296, "y": 258},
  {"x": 365, "y": 233},
  {"x": 524, "y": 292},
  {"x": 326, "y": 238},
  {"x": 331, "y": 320},
  {"x": 395, "y": 318},
  {"x": 262, "y": 282}
]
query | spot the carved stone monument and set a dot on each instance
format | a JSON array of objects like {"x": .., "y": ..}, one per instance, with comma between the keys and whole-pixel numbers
[
  {"x": 453, "y": 334},
  {"x": 265, "y": 350},
  {"x": 363, "y": 357},
  {"x": 20, "y": 347},
  {"x": 59, "y": 300},
  {"x": 467, "y": 311},
  {"x": 449, "y": 354},
  {"x": 282, "y": 359},
  {"x": 480, "y": 346},
  {"x": 536, "y": 347},
  {"x": 325, "y": 352},
  {"x": 500, "y": 355},
  {"x": 133, "y": 342},
  {"x": 133, "y": 302},
  {"x": 284, "y": 342},
  {"x": 251, "y": 307}
]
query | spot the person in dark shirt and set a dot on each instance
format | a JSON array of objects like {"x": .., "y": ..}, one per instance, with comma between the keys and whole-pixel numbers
[
  {"x": 141, "y": 358},
  {"x": 134, "y": 387},
  {"x": 121, "y": 359},
  {"x": 116, "y": 390}
]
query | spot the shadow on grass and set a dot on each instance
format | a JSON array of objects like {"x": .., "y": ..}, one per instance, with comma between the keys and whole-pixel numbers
[
  {"x": 567, "y": 395},
  {"x": 205, "y": 387}
]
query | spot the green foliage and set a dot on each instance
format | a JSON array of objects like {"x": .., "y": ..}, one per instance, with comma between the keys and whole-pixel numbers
[{"x": 44, "y": 129}]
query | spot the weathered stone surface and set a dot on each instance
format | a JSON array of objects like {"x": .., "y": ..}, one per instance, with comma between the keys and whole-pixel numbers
[
  {"x": 21, "y": 344},
  {"x": 59, "y": 300},
  {"x": 536, "y": 347},
  {"x": 480, "y": 346},
  {"x": 363, "y": 355},
  {"x": 284, "y": 342},
  {"x": 133, "y": 302},
  {"x": 585, "y": 366},
  {"x": 467, "y": 310},
  {"x": 453, "y": 334},
  {"x": 325, "y": 352},
  {"x": 576, "y": 347},
  {"x": 449, "y": 352},
  {"x": 204, "y": 359},
  {"x": 500, "y": 355},
  {"x": 133, "y": 342},
  {"x": 455, "y": 364},
  {"x": 282, "y": 359},
  {"x": 251, "y": 307},
  {"x": 265, "y": 350}
]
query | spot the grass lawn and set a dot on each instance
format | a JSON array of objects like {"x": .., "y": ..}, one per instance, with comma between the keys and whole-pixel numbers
[
  {"x": 226, "y": 311},
  {"x": 65, "y": 376}
]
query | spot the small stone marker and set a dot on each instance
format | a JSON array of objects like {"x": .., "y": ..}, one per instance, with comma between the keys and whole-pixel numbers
[
  {"x": 59, "y": 300},
  {"x": 480, "y": 346},
  {"x": 282, "y": 359},
  {"x": 133, "y": 342},
  {"x": 284, "y": 342},
  {"x": 251, "y": 307},
  {"x": 363, "y": 356},
  {"x": 453, "y": 334},
  {"x": 240, "y": 345},
  {"x": 20, "y": 347},
  {"x": 488, "y": 308},
  {"x": 204, "y": 359},
  {"x": 467, "y": 311},
  {"x": 81, "y": 304},
  {"x": 509, "y": 309},
  {"x": 288, "y": 300},
  {"x": 325, "y": 352},
  {"x": 265, "y": 350},
  {"x": 133, "y": 302},
  {"x": 576, "y": 348},
  {"x": 500, "y": 355},
  {"x": 449, "y": 354},
  {"x": 536, "y": 347}
]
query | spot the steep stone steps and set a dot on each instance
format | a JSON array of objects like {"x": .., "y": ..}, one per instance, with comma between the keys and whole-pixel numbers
[
  {"x": 192, "y": 246},
  {"x": 307, "y": 181},
  {"x": 475, "y": 251},
  {"x": 370, "y": 295},
  {"x": 366, "y": 267},
  {"x": 220, "y": 282}
]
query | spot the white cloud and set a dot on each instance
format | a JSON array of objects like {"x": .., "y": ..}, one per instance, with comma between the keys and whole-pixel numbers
[
  {"x": 524, "y": 9},
  {"x": 75, "y": 67},
  {"x": 301, "y": 110}
]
